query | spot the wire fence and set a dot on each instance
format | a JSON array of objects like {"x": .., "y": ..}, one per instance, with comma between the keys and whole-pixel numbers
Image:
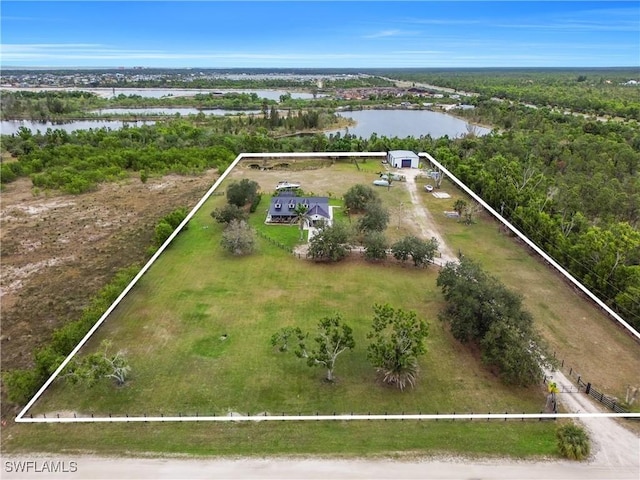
[
  {"x": 278, "y": 244},
  {"x": 609, "y": 401},
  {"x": 369, "y": 416}
]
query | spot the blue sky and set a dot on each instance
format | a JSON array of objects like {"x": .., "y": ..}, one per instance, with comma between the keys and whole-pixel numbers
[{"x": 336, "y": 34}]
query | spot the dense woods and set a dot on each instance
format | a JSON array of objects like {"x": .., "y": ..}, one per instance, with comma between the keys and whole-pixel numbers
[
  {"x": 598, "y": 91},
  {"x": 570, "y": 183}
]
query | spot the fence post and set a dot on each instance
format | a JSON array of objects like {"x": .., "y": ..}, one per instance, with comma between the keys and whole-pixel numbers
[{"x": 588, "y": 389}]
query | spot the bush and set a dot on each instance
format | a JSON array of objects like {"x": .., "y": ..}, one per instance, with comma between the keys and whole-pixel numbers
[
  {"x": 228, "y": 213},
  {"x": 167, "y": 225},
  {"x": 573, "y": 442},
  {"x": 330, "y": 243},
  {"x": 21, "y": 385},
  {"x": 421, "y": 252},
  {"x": 358, "y": 196},
  {"x": 255, "y": 202},
  {"x": 242, "y": 192},
  {"x": 238, "y": 238},
  {"x": 375, "y": 246}
]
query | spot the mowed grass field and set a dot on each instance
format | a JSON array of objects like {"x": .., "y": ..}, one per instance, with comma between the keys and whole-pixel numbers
[{"x": 196, "y": 330}]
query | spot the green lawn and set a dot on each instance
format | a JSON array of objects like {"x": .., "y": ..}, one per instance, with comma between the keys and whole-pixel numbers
[{"x": 173, "y": 324}]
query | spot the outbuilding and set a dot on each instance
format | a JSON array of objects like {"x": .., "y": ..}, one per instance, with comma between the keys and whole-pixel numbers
[{"x": 403, "y": 159}]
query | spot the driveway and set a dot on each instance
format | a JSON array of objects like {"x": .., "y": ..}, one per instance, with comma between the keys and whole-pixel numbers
[{"x": 423, "y": 218}]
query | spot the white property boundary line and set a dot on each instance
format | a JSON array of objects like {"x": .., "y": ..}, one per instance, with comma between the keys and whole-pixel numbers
[
  {"x": 22, "y": 418},
  {"x": 339, "y": 417}
]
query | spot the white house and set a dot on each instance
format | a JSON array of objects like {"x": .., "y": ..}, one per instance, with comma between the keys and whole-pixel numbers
[{"x": 403, "y": 159}]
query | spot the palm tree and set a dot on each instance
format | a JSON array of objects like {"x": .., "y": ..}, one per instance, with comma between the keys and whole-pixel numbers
[{"x": 302, "y": 216}]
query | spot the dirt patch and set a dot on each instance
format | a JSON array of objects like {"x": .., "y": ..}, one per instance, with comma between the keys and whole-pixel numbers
[{"x": 59, "y": 250}]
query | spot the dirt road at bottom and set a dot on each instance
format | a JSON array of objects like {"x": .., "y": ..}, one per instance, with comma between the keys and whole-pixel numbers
[
  {"x": 611, "y": 444},
  {"x": 89, "y": 467}
]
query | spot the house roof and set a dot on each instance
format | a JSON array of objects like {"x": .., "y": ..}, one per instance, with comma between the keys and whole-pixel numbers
[{"x": 284, "y": 206}]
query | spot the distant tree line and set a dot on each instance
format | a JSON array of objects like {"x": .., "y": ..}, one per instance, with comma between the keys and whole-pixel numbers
[{"x": 599, "y": 91}]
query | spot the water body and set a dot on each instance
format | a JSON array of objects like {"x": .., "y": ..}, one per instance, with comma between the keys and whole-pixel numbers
[
  {"x": 407, "y": 123},
  {"x": 8, "y": 127},
  {"x": 388, "y": 123},
  {"x": 170, "y": 111},
  {"x": 167, "y": 92}
]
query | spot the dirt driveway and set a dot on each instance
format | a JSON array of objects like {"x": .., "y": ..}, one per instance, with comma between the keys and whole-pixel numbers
[{"x": 424, "y": 219}]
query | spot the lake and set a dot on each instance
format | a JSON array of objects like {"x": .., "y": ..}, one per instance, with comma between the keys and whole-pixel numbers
[
  {"x": 388, "y": 123},
  {"x": 170, "y": 111},
  {"x": 407, "y": 123},
  {"x": 8, "y": 127}
]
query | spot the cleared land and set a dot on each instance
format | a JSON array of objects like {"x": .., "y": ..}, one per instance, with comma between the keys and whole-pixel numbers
[
  {"x": 58, "y": 250},
  {"x": 172, "y": 328}
]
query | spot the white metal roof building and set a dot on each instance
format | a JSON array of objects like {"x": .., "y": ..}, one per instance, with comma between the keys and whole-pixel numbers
[{"x": 403, "y": 159}]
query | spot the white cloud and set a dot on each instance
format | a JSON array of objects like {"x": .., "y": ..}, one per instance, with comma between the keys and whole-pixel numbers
[{"x": 392, "y": 33}]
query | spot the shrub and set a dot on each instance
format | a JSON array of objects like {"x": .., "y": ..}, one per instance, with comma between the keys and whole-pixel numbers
[
  {"x": 238, "y": 238},
  {"x": 375, "y": 246},
  {"x": 358, "y": 196},
  {"x": 21, "y": 385},
  {"x": 167, "y": 225},
  {"x": 330, "y": 243},
  {"x": 255, "y": 202},
  {"x": 228, "y": 213},
  {"x": 573, "y": 442},
  {"x": 242, "y": 192}
]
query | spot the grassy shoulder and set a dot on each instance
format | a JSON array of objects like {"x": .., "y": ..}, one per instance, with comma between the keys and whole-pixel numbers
[{"x": 396, "y": 439}]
